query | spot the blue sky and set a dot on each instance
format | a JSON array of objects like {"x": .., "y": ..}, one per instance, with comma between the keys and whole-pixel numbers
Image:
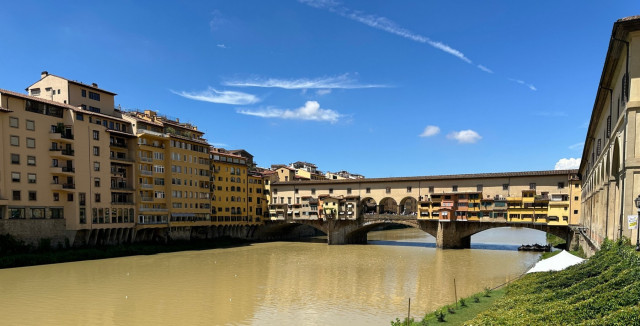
[{"x": 380, "y": 88}]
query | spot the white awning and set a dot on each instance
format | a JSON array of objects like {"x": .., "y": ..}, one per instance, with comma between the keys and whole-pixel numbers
[{"x": 556, "y": 263}]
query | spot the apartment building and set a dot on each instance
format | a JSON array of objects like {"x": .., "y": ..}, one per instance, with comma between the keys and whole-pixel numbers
[
  {"x": 609, "y": 165},
  {"x": 173, "y": 183},
  {"x": 550, "y": 197},
  {"x": 53, "y": 143},
  {"x": 238, "y": 194}
]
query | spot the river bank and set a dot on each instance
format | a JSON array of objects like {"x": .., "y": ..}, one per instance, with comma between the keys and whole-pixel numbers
[
  {"x": 603, "y": 290},
  {"x": 14, "y": 253}
]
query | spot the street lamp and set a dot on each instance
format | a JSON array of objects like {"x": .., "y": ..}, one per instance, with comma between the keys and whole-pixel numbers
[{"x": 637, "y": 201}]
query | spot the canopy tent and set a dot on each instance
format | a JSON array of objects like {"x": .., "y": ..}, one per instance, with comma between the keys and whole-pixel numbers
[{"x": 556, "y": 263}]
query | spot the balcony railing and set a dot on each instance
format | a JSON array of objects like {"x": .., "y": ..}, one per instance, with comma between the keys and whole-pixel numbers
[
  {"x": 121, "y": 203},
  {"x": 68, "y": 169},
  {"x": 146, "y": 198},
  {"x": 145, "y": 172},
  {"x": 68, "y": 186},
  {"x": 146, "y": 159},
  {"x": 68, "y": 152},
  {"x": 146, "y": 209},
  {"x": 146, "y": 185}
]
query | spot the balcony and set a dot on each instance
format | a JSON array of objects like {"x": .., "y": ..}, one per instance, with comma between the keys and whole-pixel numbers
[
  {"x": 68, "y": 152},
  {"x": 121, "y": 203},
  {"x": 118, "y": 144},
  {"x": 61, "y": 136},
  {"x": 146, "y": 172},
  {"x": 146, "y": 209},
  {"x": 146, "y": 186},
  {"x": 121, "y": 188},
  {"x": 146, "y": 199},
  {"x": 146, "y": 159},
  {"x": 122, "y": 159}
]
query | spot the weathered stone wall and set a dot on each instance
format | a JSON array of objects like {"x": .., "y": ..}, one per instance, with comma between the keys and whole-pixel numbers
[{"x": 31, "y": 231}]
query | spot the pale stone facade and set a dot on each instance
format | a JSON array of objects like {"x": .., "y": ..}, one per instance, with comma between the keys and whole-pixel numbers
[{"x": 610, "y": 165}]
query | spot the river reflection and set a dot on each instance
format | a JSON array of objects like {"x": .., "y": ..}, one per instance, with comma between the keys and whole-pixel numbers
[{"x": 278, "y": 283}]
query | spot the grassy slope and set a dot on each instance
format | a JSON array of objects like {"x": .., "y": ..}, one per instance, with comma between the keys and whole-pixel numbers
[{"x": 605, "y": 290}]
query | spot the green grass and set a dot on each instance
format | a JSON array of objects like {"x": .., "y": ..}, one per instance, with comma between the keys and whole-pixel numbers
[
  {"x": 461, "y": 314},
  {"x": 604, "y": 290}
]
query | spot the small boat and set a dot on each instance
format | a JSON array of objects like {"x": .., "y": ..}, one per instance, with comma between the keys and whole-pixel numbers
[{"x": 534, "y": 247}]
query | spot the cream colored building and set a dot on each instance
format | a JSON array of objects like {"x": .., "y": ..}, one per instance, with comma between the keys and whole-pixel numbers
[
  {"x": 610, "y": 165},
  {"x": 549, "y": 197}
]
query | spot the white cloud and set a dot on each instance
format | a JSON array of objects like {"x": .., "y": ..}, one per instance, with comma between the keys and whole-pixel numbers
[
  {"x": 222, "y": 46},
  {"x": 219, "y": 145},
  {"x": 430, "y": 131},
  {"x": 321, "y": 92},
  {"x": 342, "y": 81},
  {"x": 485, "y": 69},
  {"x": 522, "y": 82},
  {"x": 223, "y": 97},
  {"x": 465, "y": 136},
  {"x": 568, "y": 164},
  {"x": 310, "y": 111},
  {"x": 384, "y": 24},
  {"x": 216, "y": 20},
  {"x": 577, "y": 146}
]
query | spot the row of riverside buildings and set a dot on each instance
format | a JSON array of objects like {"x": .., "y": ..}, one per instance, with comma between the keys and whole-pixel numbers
[{"x": 76, "y": 168}]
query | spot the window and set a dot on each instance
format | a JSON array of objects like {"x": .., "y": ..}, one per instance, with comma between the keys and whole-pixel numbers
[
  {"x": 15, "y": 194},
  {"x": 431, "y": 189},
  {"x": 532, "y": 186},
  {"x": 79, "y": 116},
  {"x": 84, "y": 93},
  {"x": 15, "y": 176},
  {"x": 560, "y": 185},
  {"x": 56, "y": 196},
  {"x": 31, "y": 143},
  {"x": 96, "y": 135},
  {"x": 97, "y": 195},
  {"x": 96, "y": 166},
  {"x": 14, "y": 140},
  {"x": 70, "y": 197},
  {"x": 13, "y": 122},
  {"x": 388, "y": 190},
  {"x": 330, "y": 190},
  {"x": 575, "y": 198},
  {"x": 313, "y": 191},
  {"x": 454, "y": 188},
  {"x": 96, "y": 182},
  {"x": 96, "y": 151},
  {"x": 368, "y": 190},
  {"x": 479, "y": 188},
  {"x": 575, "y": 211},
  {"x": 31, "y": 160},
  {"x": 408, "y": 189},
  {"x": 31, "y": 125},
  {"x": 31, "y": 178},
  {"x": 348, "y": 191},
  {"x": 15, "y": 158},
  {"x": 94, "y": 96},
  {"x": 505, "y": 186},
  {"x": 295, "y": 191},
  {"x": 32, "y": 196}
]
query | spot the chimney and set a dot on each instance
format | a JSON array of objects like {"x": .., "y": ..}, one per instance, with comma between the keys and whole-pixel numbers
[
  {"x": 94, "y": 85},
  {"x": 44, "y": 74}
]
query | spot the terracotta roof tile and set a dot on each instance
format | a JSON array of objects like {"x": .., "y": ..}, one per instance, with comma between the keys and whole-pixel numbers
[{"x": 438, "y": 177}]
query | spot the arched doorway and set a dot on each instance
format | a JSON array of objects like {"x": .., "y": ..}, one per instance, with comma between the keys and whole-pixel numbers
[
  {"x": 409, "y": 206},
  {"x": 388, "y": 205}
]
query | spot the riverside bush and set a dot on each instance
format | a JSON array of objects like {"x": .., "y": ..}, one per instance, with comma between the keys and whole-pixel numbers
[{"x": 604, "y": 290}]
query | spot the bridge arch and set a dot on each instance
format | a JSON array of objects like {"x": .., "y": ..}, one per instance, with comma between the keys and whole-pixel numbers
[
  {"x": 475, "y": 228},
  {"x": 368, "y": 205},
  {"x": 359, "y": 235},
  {"x": 388, "y": 205},
  {"x": 409, "y": 206}
]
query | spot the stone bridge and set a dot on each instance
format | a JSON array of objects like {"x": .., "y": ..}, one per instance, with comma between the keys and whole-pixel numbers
[{"x": 448, "y": 234}]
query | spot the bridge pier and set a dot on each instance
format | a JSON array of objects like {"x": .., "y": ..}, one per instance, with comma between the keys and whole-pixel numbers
[{"x": 449, "y": 236}]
